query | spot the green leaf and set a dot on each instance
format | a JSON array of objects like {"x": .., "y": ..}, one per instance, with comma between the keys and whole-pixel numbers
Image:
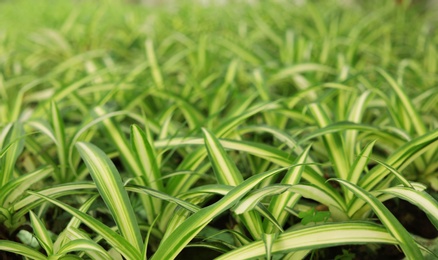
[
  {"x": 82, "y": 245},
  {"x": 414, "y": 118},
  {"x": 396, "y": 229},
  {"x": 163, "y": 196},
  {"x": 332, "y": 142},
  {"x": 14, "y": 143},
  {"x": 114, "y": 239},
  {"x": 110, "y": 187},
  {"x": 59, "y": 132},
  {"x": 420, "y": 199},
  {"x": 279, "y": 203},
  {"x": 315, "y": 237},
  {"x": 71, "y": 234},
  {"x": 227, "y": 173},
  {"x": 251, "y": 200},
  {"x": 16, "y": 188},
  {"x": 175, "y": 242},
  {"x": 225, "y": 170},
  {"x": 41, "y": 233},
  {"x": 313, "y": 216},
  {"x": 399, "y": 159},
  {"x": 144, "y": 152},
  {"x": 17, "y": 248}
]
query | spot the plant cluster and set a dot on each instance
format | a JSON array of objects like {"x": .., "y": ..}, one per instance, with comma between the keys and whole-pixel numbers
[{"x": 272, "y": 130}]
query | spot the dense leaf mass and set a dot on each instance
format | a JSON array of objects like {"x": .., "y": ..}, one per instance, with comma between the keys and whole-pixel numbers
[{"x": 286, "y": 129}]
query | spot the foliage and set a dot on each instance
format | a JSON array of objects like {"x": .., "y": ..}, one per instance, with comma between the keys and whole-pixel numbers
[{"x": 271, "y": 130}]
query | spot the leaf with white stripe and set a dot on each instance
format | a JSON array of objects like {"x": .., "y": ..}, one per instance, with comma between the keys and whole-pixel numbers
[
  {"x": 59, "y": 132},
  {"x": 184, "y": 233},
  {"x": 14, "y": 142},
  {"x": 111, "y": 237},
  {"x": 41, "y": 234},
  {"x": 20, "y": 249},
  {"x": 251, "y": 200},
  {"x": 333, "y": 143},
  {"x": 226, "y": 172},
  {"x": 420, "y": 199},
  {"x": 83, "y": 245},
  {"x": 279, "y": 203},
  {"x": 405, "y": 240},
  {"x": 316, "y": 237},
  {"x": 110, "y": 187}
]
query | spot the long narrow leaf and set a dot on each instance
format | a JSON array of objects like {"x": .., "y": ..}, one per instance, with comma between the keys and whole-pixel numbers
[
  {"x": 110, "y": 186},
  {"x": 227, "y": 173},
  {"x": 170, "y": 247},
  {"x": 279, "y": 203},
  {"x": 7, "y": 161},
  {"x": 419, "y": 198},
  {"x": 396, "y": 229},
  {"x": 114, "y": 239},
  {"x": 41, "y": 233},
  {"x": 315, "y": 237},
  {"x": 333, "y": 143},
  {"x": 59, "y": 132},
  {"x": 17, "y": 248}
]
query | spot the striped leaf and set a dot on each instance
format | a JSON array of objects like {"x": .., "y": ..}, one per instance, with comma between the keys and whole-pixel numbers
[
  {"x": 83, "y": 245},
  {"x": 163, "y": 196},
  {"x": 338, "y": 210},
  {"x": 59, "y": 133},
  {"x": 155, "y": 69},
  {"x": 251, "y": 200},
  {"x": 226, "y": 173},
  {"x": 175, "y": 242},
  {"x": 405, "y": 240},
  {"x": 355, "y": 115},
  {"x": 13, "y": 140},
  {"x": 119, "y": 243},
  {"x": 279, "y": 203},
  {"x": 20, "y": 249},
  {"x": 261, "y": 150},
  {"x": 225, "y": 170},
  {"x": 315, "y": 237},
  {"x": 16, "y": 188},
  {"x": 332, "y": 142},
  {"x": 358, "y": 167},
  {"x": 420, "y": 199},
  {"x": 129, "y": 159},
  {"x": 413, "y": 118},
  {"x": 147, "y": 160},
  {"x": 72, "y": 227},
  {"x": 399, "y": 159},
  {"x": 41, "y": 234},
  {"x": 110, "y": 187}
]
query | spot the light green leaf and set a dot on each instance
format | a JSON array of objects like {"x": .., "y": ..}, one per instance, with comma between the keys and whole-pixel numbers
[
  {"x": 405, "y": 240},
  {"x": 41, "y": 233},
  {"x": 252, "y": 199},
  {"x": 59, "y": 132},
  {"x": 83, "y": 245},
  {"x": 114, "y": 239},
  {"x": 110, "y": 187},
  {"x": 315, "y": 237},
  {"x": 227, "y": 173},
  {"x": 15, "y": 145},
  {"x": 332, "y": 142},
  {"x": 17, "y": 248},
  {"x": 175, "y": 242},
  {"x": 279, "y": 203},
  {"x": 16, "y": 188},
  {"x": 419, "y": 198}
]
